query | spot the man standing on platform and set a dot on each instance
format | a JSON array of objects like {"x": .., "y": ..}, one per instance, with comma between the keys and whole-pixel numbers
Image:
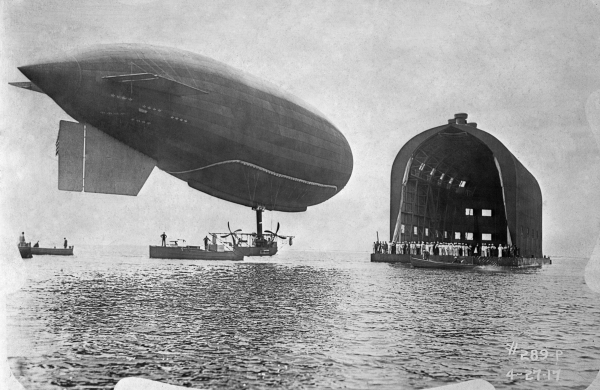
[
  {"x": 164, "y": 239},
  {"x": 65, "y": 243}
]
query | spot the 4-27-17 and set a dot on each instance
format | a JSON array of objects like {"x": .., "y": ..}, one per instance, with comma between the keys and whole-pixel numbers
[{"x": 535, "y": 374}]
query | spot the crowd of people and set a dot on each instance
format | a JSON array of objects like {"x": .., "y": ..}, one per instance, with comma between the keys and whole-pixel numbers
[{"x": 446, "y": 249}]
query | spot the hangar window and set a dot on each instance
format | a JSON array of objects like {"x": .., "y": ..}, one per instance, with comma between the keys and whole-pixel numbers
[
  {"x": 486, "y": 213},
  {"x": 457, "y": 235},
  {"x": 462, "y": 183},
  {"x": 402, "y": 228},
  {"x": 451, "y": 180},
  {"x": 432, "y": 172},
  {"x": 422, "y": 166},
  {"x": 468, "y": 211},
  {"x": 445, "y": 234},
  {"x": 427, "y": 232},
  {"x": 468, "y": 236},
  {"x": 415, "y": 230},
  {"x": 486, "y": 237},
  {"x": 442, "y": 177}
]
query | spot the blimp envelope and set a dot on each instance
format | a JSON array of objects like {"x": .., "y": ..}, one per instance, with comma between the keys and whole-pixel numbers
[{"x": 224, "y": 132}]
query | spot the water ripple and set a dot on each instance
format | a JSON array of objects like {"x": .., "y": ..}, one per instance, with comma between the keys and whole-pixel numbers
[{"x": 299, "y": 320}]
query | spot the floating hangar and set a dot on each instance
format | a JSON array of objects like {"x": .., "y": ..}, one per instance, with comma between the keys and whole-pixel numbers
[{"x": 457, "y": 183}]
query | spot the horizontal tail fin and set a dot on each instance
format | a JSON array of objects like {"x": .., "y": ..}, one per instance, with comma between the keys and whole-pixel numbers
[{"x": 27, "y": 85}]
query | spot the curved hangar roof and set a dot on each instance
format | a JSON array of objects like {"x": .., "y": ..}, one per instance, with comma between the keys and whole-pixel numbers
[{"x": 472, "y": 167}]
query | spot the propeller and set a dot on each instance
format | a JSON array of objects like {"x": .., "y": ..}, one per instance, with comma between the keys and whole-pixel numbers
[
  {"x": 232, "y": 234},
  {"x": 275, "y": 234}
]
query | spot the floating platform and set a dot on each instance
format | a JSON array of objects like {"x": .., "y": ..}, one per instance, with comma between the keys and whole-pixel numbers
[
  {"x": 192, "y": 253},
  {"x": 516, "y": 262},
  {"x": 52, "y": 251}
]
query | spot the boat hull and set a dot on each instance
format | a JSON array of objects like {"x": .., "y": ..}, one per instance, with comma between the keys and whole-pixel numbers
[
  {"x": 52, "y": 251},
  {"x": 421, "y": 263},
  {"x": 192, "y": 253},
  {"x": 25, "y": 252}
]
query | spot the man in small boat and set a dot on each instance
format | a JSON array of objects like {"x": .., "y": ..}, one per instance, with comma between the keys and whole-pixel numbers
[
  {"x": 65, "y": 243},
  {"x": 22, "y": 239},
  {"x": 164, "y": 239},
  {"x": 36, "y": 245}
]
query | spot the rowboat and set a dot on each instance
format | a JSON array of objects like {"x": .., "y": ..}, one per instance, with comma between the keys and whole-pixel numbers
[{"x": 422, "y": 263}]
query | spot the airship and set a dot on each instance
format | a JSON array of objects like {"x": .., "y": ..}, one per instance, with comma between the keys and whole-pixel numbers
[{"x": 224, "y": 132}]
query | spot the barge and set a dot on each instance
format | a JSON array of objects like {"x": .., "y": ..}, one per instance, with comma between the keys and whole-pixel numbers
[{"x": 516, "y": 262}]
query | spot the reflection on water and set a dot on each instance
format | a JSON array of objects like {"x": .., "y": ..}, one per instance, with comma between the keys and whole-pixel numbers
[{"x": 297, "y": 320}]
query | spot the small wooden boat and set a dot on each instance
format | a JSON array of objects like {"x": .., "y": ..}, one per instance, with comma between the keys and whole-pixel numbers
[
  {"x": 192, "y": 253},
  {"x": 52, "y": 251},
  {"x": 422, "y": 263}
]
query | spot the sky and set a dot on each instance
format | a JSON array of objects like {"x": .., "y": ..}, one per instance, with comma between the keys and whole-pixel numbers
[{"x": 381, "y": 71}]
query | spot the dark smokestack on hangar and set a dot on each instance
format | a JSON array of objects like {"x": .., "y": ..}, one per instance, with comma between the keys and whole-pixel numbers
[{"x": 461, "y": 118}]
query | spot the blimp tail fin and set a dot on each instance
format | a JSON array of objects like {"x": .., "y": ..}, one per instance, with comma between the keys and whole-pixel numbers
[{"x": 92, "y": 161}]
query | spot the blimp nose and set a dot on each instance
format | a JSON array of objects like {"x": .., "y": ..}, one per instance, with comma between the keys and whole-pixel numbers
[{"x": 56, "y": 79}]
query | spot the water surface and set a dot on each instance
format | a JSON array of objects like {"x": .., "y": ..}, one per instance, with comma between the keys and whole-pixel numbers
[{"x": 297, "y": 320}]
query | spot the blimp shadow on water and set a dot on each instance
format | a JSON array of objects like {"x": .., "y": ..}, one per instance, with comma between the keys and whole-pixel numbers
[{"x": 224, "y": 132}]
